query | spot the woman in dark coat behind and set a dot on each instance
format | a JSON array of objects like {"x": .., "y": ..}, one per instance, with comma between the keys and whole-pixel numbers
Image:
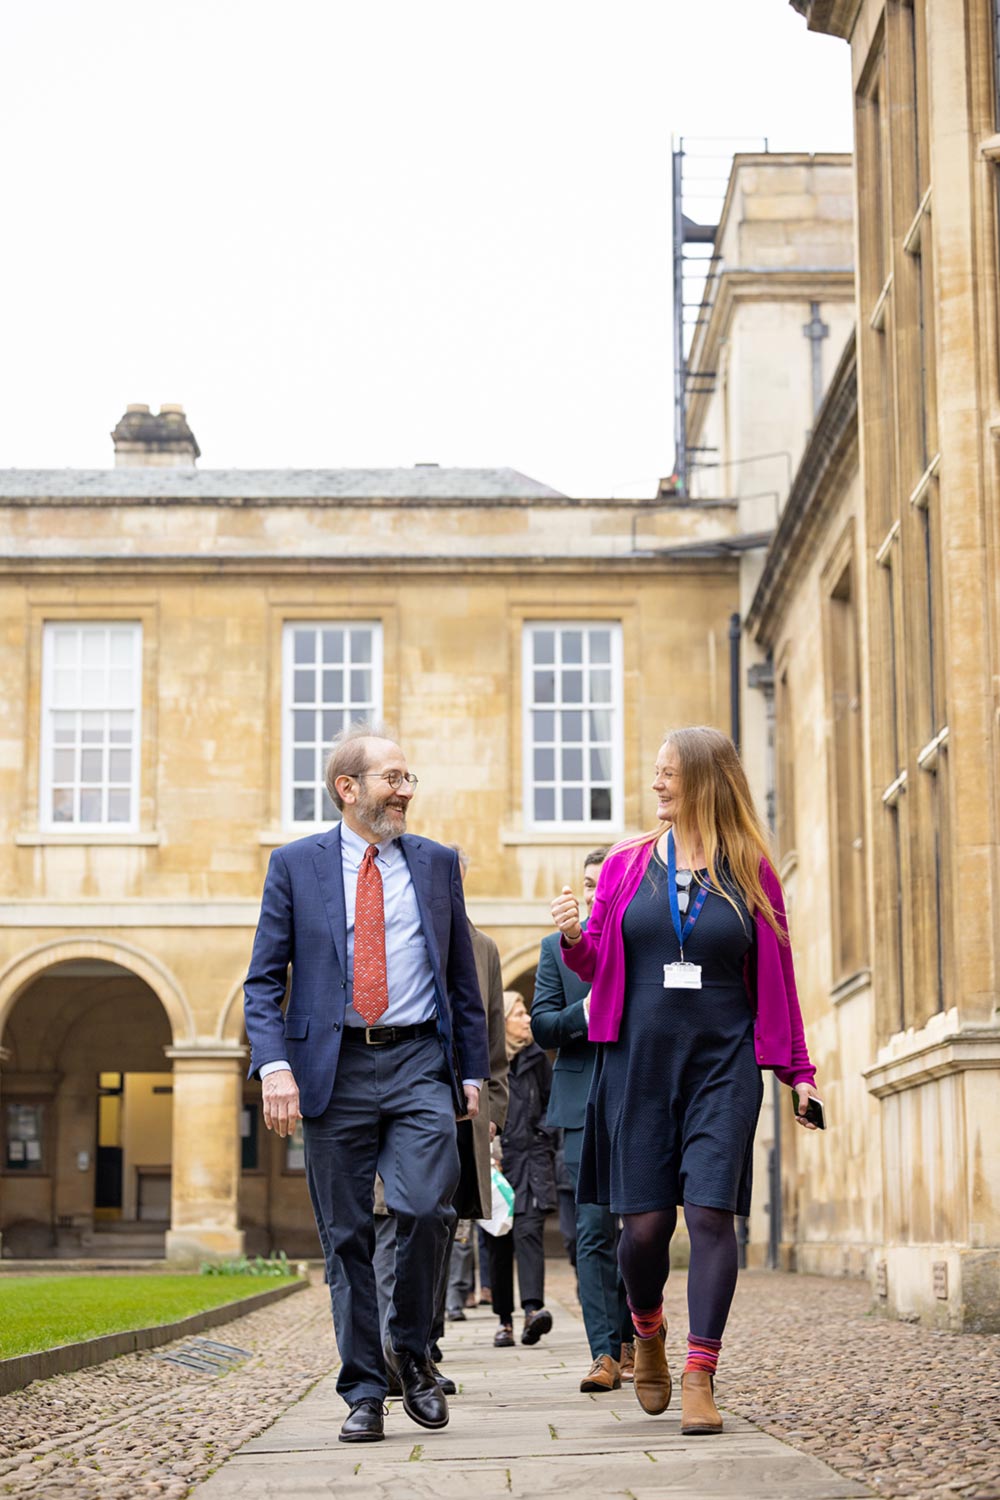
[{"x": 528, "y": 1161}]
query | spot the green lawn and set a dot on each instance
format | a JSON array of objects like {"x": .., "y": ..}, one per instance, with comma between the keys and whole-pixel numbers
[{"x": 39, "y": 1312}]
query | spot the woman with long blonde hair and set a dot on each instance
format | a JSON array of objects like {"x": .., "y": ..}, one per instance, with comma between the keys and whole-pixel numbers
[{"x": 692, "y": 994}]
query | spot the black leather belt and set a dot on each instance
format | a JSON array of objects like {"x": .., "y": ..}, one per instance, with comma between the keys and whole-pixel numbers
[{"x": 384, "y": 1036}]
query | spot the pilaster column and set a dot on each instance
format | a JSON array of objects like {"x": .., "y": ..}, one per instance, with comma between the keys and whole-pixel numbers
[{"x": 204, "y": 1209}]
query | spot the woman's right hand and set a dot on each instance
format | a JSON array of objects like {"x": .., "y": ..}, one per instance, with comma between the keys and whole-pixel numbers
[{"x": 566, "y": 915}]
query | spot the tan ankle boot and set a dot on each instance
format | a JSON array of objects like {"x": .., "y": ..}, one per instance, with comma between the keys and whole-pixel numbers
[
  {"x": 604, "y": 1375},
  {"x": 652, "y": 1378},
  {"x": 699, "y": 1413}
]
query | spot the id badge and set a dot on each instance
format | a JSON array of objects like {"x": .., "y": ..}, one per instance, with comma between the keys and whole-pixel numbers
[{"x": 682, "y": 976}]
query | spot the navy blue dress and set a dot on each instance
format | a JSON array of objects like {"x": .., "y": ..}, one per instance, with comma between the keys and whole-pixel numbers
[{"x": 674, "y": 1103}]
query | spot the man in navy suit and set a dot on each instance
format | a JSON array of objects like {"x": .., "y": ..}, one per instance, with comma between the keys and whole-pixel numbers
[
  {"x": 559, "y": 1016},
  {"x": 382, "y": 1044}
]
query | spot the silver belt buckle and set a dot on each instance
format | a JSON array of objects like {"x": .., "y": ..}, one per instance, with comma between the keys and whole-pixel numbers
[{"x": 373, "y": 1041}]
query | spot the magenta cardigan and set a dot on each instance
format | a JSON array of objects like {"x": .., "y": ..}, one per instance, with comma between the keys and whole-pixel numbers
[{"x": 599, "y": 959}]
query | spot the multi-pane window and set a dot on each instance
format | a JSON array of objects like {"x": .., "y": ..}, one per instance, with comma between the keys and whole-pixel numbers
[
  {"x": 250, "y": 1136},
  {"x": 91, "y": 697},
  {"x": 332, "y": 676},
  {"x": 25, "y": 1138},
  {"x": 573, "y": 724},
  {"x": 295, "y": 1150},
  {"x": 848, "y": 879},
  {"x": 785, "y": 767}
]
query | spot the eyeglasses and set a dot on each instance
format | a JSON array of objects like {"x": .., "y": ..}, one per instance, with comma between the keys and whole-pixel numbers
[
  {"x": 394, "y": 778},
  {"x": 683, "y": 880}
]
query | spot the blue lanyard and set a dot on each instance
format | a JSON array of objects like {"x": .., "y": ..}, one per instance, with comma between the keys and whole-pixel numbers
[{"x": 683, "y": 933}]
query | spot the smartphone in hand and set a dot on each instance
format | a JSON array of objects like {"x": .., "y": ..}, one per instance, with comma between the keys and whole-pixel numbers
[{"x": 815, "y": 1113}]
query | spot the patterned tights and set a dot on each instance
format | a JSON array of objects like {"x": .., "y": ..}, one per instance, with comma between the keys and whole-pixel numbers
[{"x": 644, "y": 1258}]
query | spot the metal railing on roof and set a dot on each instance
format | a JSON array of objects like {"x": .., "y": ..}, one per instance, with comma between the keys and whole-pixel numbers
[{"x": 701, "y": 171}]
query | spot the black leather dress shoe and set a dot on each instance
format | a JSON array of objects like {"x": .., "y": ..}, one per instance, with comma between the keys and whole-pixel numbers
[
  {"x": 365, "y": 1422},
  {"x": 444, "y": 1381},
  {"x": 423, "y": 1399},
  {"x": 535, "y": 1324}
]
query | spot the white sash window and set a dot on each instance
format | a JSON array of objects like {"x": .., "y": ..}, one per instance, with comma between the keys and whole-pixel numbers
[
  {"x": 91, "y": 711},
  {"x": 573, "y": 725},
  {"x": 332, "y": 675}
]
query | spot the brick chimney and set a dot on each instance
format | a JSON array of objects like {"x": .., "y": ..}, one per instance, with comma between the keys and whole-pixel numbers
[{"x": 143, "y": 440}]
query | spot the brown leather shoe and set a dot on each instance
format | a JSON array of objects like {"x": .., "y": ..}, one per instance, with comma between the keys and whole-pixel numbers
[
  {"x": 626, "y": 1364},
  {"x": 652, "y": 1378},
  {"x": 603, "y": 1375},
  {"x": 699, "y": 1413}
]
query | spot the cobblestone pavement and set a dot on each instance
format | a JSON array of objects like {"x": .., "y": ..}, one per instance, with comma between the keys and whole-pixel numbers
[
  {"x": 909, "y": 1411},
  {"x": 906, "y": 1411},
  {"x": 138, "y": 1426}
]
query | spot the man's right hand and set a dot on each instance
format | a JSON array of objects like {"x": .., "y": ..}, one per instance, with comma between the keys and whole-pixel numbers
[
  {"x": 281, "y": 1102},
  {"x": 566, "y": 915}
]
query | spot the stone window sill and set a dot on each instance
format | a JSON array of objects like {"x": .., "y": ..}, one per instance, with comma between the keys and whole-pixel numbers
[
  {"x": 852, "y": 985},
  {"x": 587, "y": 838},
  {"x": 276, "y": 838},
  {"x": 85, "y": 840}
]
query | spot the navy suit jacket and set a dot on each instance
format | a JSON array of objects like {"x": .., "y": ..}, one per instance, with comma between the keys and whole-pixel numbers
[
  {"x": 303, "y": 923},
  {"x": 557, "y": 1021}
]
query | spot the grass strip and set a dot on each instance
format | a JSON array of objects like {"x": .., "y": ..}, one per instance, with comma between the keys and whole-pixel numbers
[{"x": 41, "y": 1312}]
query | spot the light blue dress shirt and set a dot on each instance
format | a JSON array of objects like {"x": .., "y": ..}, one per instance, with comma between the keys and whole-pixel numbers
[{"x": 408, "y": 966}]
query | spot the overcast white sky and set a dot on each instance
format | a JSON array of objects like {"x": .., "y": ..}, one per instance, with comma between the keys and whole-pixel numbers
[{"x": 370, "y": 232}]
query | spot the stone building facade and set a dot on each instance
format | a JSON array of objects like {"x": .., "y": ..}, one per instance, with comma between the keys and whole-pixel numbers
[
  {"x": 879, "y": 607},
  {"x": 178, "y": 646},
  {"x": 778, "y": 310},
  {"x": 869, "y": 601}
]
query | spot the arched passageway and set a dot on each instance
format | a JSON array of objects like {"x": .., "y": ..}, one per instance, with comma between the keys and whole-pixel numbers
[
  {"x": 275, "y": 1211},
  {"x": 86, "y": 1112},
  {"x": 524, "y": 983}
]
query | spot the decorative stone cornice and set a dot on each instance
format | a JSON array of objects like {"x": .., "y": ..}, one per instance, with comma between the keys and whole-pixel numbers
[
  {"x": 833, "y": 17},
  {"x": 211, "y": 1052},
  {"x": 962, "y": 1052},
  {"x": 942, "y": 1046},
  {"x": 757, "y": 284},
  {"x": 325, "y": 565},
  {"x": 814, "y": 488}
]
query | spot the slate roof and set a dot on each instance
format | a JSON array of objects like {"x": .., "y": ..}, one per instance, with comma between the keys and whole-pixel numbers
[{"x": 424, "y": 482}]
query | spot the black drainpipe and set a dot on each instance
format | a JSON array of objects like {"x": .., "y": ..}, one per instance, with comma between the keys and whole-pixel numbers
[{"x": 735, "y": 632}]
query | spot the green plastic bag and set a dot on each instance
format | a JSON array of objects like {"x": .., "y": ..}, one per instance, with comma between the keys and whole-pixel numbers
[{"x": 501, "y": 1220}]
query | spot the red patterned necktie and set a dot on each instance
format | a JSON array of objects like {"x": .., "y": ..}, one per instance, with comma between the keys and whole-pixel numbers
[{"x": 371, "y": 987}]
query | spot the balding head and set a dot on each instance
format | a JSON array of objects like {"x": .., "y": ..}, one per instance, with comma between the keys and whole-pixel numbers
[
  {"x": 353, "y": 752},
  {"x": 360, "y": 771}
]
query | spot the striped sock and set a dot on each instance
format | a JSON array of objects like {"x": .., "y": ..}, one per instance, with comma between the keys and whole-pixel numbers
[
  {"x": 647, "y": 1323},
  {"x": 703, "y": 1354}
]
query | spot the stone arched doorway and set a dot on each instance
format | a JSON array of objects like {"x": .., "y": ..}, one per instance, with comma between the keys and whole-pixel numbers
[
  {"x": 87, "y": 1107},
  {"x": 519, "y": 968},
  {"x": 274, "y": 1208},
  {"x": 275, "y": 1213}
]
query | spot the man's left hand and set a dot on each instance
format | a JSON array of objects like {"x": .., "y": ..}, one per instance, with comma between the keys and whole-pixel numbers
[{"x": 471, "y": 1101}]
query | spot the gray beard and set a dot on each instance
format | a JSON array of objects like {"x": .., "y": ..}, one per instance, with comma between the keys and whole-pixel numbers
[{"x": 375, "y": 816}]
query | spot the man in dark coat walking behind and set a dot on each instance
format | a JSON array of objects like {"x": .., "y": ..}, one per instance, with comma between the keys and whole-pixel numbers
[
  {"x": 528, "y": 1162},
  {"x": 559, "y": 1021}
]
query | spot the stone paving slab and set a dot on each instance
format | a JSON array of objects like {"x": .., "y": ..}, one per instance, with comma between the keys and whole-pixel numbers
[
  {"x": 520, "y": 1427},
  {"x": 911, "y": 1412}
]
